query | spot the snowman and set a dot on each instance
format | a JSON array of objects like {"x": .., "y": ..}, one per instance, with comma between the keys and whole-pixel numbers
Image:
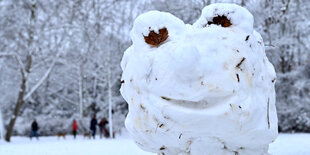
[{"x": 201, "y": 89}]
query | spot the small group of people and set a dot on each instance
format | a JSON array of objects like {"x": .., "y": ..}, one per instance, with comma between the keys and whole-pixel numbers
[
  {"x": 102, "y": 126},
  {"x": 93, "y": 127}
]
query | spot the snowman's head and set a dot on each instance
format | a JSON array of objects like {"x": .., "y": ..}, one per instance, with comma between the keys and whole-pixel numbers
[{"x": 218, "y": 56}]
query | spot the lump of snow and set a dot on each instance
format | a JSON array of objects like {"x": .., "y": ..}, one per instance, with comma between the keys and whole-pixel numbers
[
  {"x": 154, "y": 21},
  {"x": 206, "y": 88},
  {"x": 238, "y": 16}
]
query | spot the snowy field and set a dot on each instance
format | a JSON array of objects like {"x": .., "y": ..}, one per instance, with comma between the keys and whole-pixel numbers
[{"x": 286, "y": 144}]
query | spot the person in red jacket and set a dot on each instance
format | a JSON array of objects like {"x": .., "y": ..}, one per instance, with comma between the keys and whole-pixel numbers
[{"x": 74, "y": 128}]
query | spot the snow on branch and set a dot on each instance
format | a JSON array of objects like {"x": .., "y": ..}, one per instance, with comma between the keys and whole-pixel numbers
[
  {"x": 21, "y": 64},
  {"x": 6, "y": 54},
  {"x": 44, "y": 77}
]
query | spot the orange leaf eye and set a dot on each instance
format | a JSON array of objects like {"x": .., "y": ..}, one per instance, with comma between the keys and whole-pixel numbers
[
  {"x": 155, "y": 39},
  {"x": 220, "y": 20}
]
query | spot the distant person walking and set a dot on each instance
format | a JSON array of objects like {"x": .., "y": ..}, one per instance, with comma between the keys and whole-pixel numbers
[
  {"x": 34, "y": 129},
  {"x": 103, "y": 129},
  {"x": 74, "y": 128},
  {"x": 93, "y": 125}
]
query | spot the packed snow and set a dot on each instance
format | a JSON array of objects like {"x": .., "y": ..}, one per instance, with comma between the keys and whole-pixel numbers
[
  {"x": 238, "y": 16},
  {"x": 286, "y": 144},
  {"x": 70, "y": 146},
  {"x": 206, "y": 88}
]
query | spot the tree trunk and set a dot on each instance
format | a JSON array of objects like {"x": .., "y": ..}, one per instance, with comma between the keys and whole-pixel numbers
[
  {"x": 81, "y": 92},
  {"x": 20, "y": 102},
  {"x": 110, "y": 103},
  {"x": 1, "y": 126}
]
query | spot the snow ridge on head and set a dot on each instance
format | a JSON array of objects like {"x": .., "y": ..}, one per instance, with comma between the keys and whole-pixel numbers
[
  {"x": 155, "y": 20},
  {"x": 239, "y": 17}
]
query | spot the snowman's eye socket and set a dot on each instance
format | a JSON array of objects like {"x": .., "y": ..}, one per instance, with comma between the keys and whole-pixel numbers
[
  {"x": 220, "y": 20},
  {"x": 156, "y": 39}
]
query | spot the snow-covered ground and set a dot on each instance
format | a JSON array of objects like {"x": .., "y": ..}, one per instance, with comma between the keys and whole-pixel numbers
[
  {"x": 286, "y": 144},
  {"x": 291, "y": 144}
]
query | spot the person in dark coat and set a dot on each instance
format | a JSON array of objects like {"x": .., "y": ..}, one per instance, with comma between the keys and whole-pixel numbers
[
  {"x": 93, "y": 125},
  {"x": 103, "y": 129},
  {"x": 74, "y": 128},
  {"x": 34, "y": 129}
]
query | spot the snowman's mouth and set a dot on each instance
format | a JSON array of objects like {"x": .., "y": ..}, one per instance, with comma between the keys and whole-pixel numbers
[{"x": 186, "y": 103}]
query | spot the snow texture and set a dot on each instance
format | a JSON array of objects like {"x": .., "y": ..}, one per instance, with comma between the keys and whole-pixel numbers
[
  {"x": 69, "y": 146},
  {"x": 207, "y": 89},
  {"x": 286, "y": 144}
]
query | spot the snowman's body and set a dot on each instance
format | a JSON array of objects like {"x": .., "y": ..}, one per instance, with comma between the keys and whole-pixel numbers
[{"x": 207, "y": 89}]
